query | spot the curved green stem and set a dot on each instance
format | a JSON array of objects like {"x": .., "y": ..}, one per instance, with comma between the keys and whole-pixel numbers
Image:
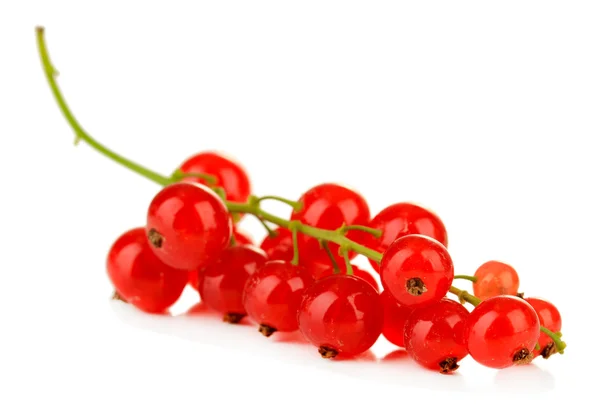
[
  {"x": 558, "y": 343},
  {"x": 325, "y": 246},
  {"x": 375, "y": 232},
  {"x": 467, "y": 277},
  {"x": 178, "y": 175},
  {"x": 80, "y": 133},
  {"x": 296, "y": 205},
  {"x": 294, "y": 228},
  {"x": 465, "y": 296},
  {"x": 349, "y": 269}
]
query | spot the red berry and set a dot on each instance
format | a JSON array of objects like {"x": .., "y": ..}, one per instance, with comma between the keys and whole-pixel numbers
[
  {"x": 356, "y": 272},
  {"x": 280, "y": 246},
  {"x": 495, "y": 278},
  {"x": 417, "y": 270},
  {"x": 272, "y": 296},
  {"x": 188, "y": 225},
  {"x": 550, "y": 318},
  {"x": 341, "y": 314},
  {"x": 222, "y": 282},
  {"x": 394, "y": 319},
  {"x": 402, "y": 219},
  {"x": 229, "y": 174},
  {"x": 329, "y": 206},
  {"x": 242, "y": 238},
  {"x": 140, "y": 277},
  {"x": 502, "y": 331},
  {"x": 435, "y": 335}
]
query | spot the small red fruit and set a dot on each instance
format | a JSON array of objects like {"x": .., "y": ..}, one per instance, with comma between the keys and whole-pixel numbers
[
  {"x": 417, "y": 270},
  {"x": 402, "y": 219},
  {"x": 502, "y": 331},
  {"x": 139, "y": 277},
  {"x": 550, "y": 318},
  {"x": 356, "y": 272},
  {"x": 229, "y": 174},
  {"x": 435, "y": 335},
  {"x": 329, "y": 206},
  {"x": 188, "y": 225},
  {"x": 394, "y": 319},
  {"x": 272, "y": 296},
  {"x": 341, "y": 314},
  {"x": 222, "y": 283},
  {"x": 280, "y": 246},
  {"x": 495, "y": 278}
]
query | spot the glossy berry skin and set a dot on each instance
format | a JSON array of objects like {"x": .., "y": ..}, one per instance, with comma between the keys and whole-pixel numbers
[
  {"x": 188, "y": 225},
  {"x": 242, "y": 238},
  {"x": 221, "y": 284},
  {"x": 272, "y": 295},
  {"x": 402, "y": 219},
  {"x": 502, "y": 331},
  {"x": 394, "y": 319},
  {"x": 435, "y": 335},
  {"x": 550, "y": 318},
  {"x": 356, "y": 272},
  {"x": 140, "y": 277},
  {"x": 495, "y": 278},
  {"x": 229, "y": 174},
  {"x": 280, "y": 246},
  {"x": 341, "y": 314},
  {"x": 417, "y": 270},
  {"x": 329, "y": 206}
]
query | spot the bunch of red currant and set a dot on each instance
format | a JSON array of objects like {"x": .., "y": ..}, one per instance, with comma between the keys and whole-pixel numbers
[
  {"x": 293, "y": 280},
  {"x": 301, "y": 277}
]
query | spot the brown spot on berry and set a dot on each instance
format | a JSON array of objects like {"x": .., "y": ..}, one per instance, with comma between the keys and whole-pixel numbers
[
  {"x": 233, "y": 318},
  {"x": 155, "y": 238},
  {"x": 266, "y": 330},
  {"x": 448, "y": 365},
  {"x": 523, "y": 357},
  {"x": 415, "y": 286},
  {"x": 549, "y": 350},
  {"x": 327, "y": 353}
]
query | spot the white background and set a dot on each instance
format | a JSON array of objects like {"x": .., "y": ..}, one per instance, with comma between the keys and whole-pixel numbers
[{"x": 487, "y": 112}]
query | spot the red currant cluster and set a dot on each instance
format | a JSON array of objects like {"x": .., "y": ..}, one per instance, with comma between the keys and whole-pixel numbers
[
  {"x": 293, "y": 280},
  {"x": 301, "y": 276}
]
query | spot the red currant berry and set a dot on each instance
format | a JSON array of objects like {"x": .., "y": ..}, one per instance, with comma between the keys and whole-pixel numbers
[
  {"x": 229, "y": 174},
  {"x": 222, "y": 282},
  {"x": 280, "y": 246},
  {"x": 394, "y": 319},
  {"x": 502, "y": 331},
  {"x": 341, "y": 314},
  {"x": 272, "y": 296},
  {"x": 242, "y": 238},
  {"x": 435, "y": 335},
  {"x": 329, "y": 206},
  {"x": 417, "y": 270},
  {"x": 495, "y": 278},
  {"x": 356, "y": 272},
  {"x": 139, "y": 277},
  {"x": 402, "y": 219},
  {"x": 188, "y": 225},
  {"x": 550, "y": 318}
]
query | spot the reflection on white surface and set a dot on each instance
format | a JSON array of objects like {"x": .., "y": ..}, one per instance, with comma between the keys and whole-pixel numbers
[{"x": 383, "y": 364}]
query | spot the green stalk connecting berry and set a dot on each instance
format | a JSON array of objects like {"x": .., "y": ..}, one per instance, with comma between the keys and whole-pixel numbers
[{"x": 301, "y": 276}]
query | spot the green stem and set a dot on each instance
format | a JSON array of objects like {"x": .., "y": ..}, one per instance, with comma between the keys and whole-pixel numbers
[
  {"x": 558, "y": 343},
  {"x": 375, "y": 232},
  {"x": 296, "y": 205},
  {"x": 80, "y": 133},
  {"x": 296, "y": 258},
  {"x": 325, "y": 245},
  {"x": 467, "y": 277},
  {"x": 178, "y": 175},
  {"x": 349, "y": 269},
  {"x": 465, "y": 296}
]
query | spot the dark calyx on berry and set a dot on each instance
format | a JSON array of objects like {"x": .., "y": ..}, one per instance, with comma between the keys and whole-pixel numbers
[
  {"x": 233, "y": 318},
  {"x": 155, "y": 238},
  {"x": 266, "y": 330},
  {"x": 448, "y": 365},
  {"x": 117, "y": 296},
  {"x": 416, "y": 286},
  {"x": 523, "y": 357},
  {"x": 549, "y": 350},
  {"x": 327, "y": 353}
]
